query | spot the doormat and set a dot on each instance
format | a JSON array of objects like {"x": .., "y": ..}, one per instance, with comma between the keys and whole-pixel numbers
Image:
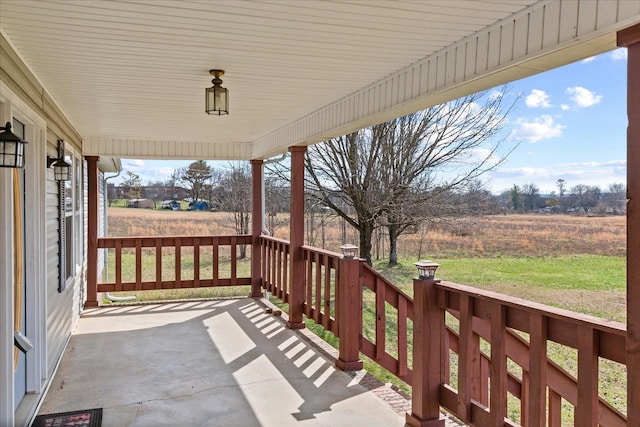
[{"x": 84, "y": 418}]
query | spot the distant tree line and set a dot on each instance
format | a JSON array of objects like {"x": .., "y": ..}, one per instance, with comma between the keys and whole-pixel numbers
[{"x": 578, "y": 199}]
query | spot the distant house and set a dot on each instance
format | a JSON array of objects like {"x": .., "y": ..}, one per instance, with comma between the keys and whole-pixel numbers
[{"x": 140, "y": 203}]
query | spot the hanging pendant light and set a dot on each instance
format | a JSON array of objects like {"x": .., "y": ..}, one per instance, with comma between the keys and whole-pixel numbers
[{"x": 216, "y": 97}]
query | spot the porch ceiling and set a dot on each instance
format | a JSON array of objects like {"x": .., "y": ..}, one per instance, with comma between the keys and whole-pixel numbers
[{"x": 130, "y": 75}]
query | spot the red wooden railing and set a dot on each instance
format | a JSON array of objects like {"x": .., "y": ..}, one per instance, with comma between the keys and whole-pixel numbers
[
  {"x": 512, "y": 329},
  {"x": 322, "y": 274},
  {"x": 274, "y": 266},
  {"x": 483, "y": 377},
  {"x": 388, "y": 299},
  {"x": 154, "y": 247},
  {"x": 496, "y": 319}
]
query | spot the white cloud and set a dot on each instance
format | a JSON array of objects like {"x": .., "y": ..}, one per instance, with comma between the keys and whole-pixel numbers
[
  {"x": 583, "y": 97},
  {"x": 565, "y": 107},
  {"x": 543, "y": 127},
  {"x": 538, "y": 99},
  {"x": 618, "y": 54}
]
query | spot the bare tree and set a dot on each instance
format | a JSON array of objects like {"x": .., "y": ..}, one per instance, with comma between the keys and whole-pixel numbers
[
  {"x": 390, "y": 173},
  {"x": 615, "y": 198},
  {"x": 233, "y": 195}
]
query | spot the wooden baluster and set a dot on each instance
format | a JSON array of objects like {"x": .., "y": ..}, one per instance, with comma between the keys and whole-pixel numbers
[
  {"x": 476, "y": 373},
  {"x": 118, "y": 286},
  {"x": 215, "y": 255},
  {"x": 309, "y": 284},
  {"x": 587, "y": 408},
  {"x": 234, "y": 260},
  {"x": 138, "y": 285},
  {"x": 485, "y": 372},
  {"x": 158, "y": 263},
  {"x": 466, "y": 366},
  {"x": 555, "y": 409},
  {"x": 285, "y": 274},
  {"x": 196, "y": 262},
  {"x": 178, "y": 257},
  {"x": 535, "y": 402},
  {"x": 498, "y": 367},
  {"x": 318, "y": 287},
  {"x": 381, "y": 319},
  {"x": 264, "y": 273},
  {"x": 403, "y": 358},
  {"x": 327, "y": 293}
]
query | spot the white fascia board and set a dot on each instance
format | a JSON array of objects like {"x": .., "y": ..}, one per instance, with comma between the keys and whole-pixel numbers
[
  {"x": 162, "y": 150},
  {"x": 546, "y": 35}
]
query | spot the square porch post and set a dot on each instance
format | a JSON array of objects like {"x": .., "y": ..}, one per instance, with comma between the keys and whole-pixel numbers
[
  {"x": 93, "y": 191},
  {"x": 630, "y": 38},
  {"x": 256, "y": 227},
  {"x": 296, "y": 237},
  {"x": 428, "y": 330}
]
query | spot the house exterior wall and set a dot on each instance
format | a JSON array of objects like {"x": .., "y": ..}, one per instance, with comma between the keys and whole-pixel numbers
[{"x": 51, "y": 315}]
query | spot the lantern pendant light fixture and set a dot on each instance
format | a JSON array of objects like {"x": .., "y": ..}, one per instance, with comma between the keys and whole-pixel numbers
[
  {"x": 11, "y": 148},
  {"x": 216, "y": 97}
]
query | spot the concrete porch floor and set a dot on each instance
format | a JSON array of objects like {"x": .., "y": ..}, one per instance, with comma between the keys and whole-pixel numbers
[{"x": 206, "y": 363}]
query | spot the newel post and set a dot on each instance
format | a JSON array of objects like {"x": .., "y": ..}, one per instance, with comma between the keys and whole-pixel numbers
[
  {"x": 428, "y": 329},
  {"x": 93, "y": 190},
  {"x": 349, "y": 314}
]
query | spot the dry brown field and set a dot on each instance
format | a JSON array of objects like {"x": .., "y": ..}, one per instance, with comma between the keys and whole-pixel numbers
[{"x": 488, "y": 236}]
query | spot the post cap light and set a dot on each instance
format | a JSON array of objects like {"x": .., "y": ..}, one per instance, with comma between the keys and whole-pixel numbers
[
  {"x": 11, "y": 148},
  {"x": 61, "y": 169},
  {"x": 349, "y": 251},
  {"x": 216, "y": 97},
  {"x": 426, "y": 269}
]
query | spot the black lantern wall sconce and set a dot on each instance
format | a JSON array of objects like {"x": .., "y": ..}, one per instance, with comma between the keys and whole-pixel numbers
[
  {"x": 61, "y": 169},
  {"x": 11, "y": 148}
]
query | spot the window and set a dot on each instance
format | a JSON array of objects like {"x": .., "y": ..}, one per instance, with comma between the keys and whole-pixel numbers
[{"x": 71, "y": 224}]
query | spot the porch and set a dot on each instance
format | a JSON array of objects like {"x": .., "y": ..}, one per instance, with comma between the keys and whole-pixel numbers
[
  {"x": 212, "y": 362},
  {"x": 471, "y": 352}
]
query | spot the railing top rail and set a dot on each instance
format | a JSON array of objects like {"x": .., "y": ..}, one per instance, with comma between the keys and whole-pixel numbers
[
  {"x": 322, "y": 251},
  {"x": 204, "y": 236},
  {"x": 604, "y": 325},
  {"x": 274, "y": 239},
  {"x": 386, "y": 281}
]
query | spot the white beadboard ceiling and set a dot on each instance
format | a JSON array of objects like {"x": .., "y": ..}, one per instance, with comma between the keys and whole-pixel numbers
[{"x": 137, "y": 69}]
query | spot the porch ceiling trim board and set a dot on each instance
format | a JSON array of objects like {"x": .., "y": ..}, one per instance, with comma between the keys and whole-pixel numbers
[
  {"x": 546, "y": 35},
  {"x": 176, "y": 149}
]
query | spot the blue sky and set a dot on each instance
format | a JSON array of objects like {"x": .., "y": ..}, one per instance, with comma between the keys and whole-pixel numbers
[{"x": 570, "y": 124}]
